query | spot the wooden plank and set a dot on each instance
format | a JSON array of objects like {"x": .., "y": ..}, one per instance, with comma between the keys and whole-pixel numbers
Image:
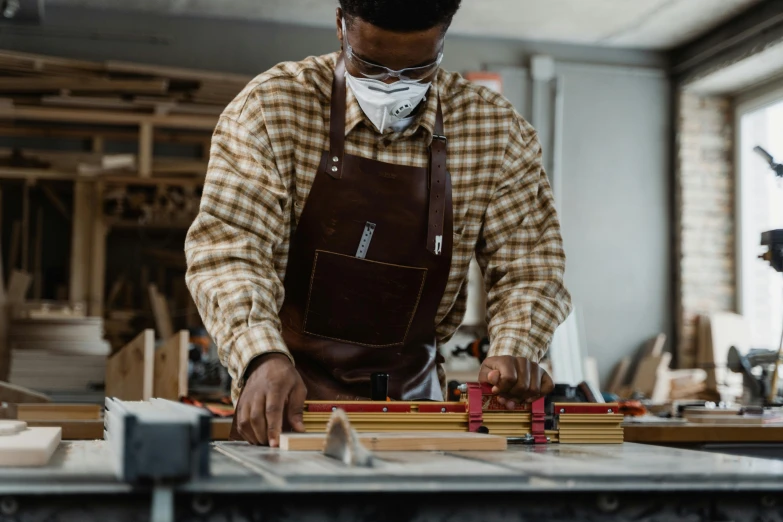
[
  {"x": 146, "y": 141},
  {"x": 51, "y": 114},
  {"x": 176, "y": 72},
  {"x": 19, "y": 394},
  {"x": 18, "y": 286},
  {"x": 171, "y": 367},
  {"x": 401, "y": 442},
  {"x": 619, "y": 375},
  {"x": 73, "y": 429},
  {"x": 58, "y": 411},
  {"x": 82, "y": 84},
  {"x": 650, "y": 378},
  {"x": 26, "y": 226},
  {"x": 701, "y": 433},
  {"x": 160, "y": 310},
  {"x": 38, "y": 256},
  {"x": 130, "y": 371},
  {"x": 98, "y": 254},
  {"x": 31, "y": 447},
  {"x": 83, "y": 208}
]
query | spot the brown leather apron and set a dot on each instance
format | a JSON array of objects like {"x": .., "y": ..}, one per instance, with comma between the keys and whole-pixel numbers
[{"x": 368, "y": 266}]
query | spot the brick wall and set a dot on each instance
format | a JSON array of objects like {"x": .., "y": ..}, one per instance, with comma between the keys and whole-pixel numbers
[{"x": 704, "y": 215}]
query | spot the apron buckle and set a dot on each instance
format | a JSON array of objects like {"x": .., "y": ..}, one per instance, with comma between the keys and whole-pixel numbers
[{"x": 438, "y": 245}]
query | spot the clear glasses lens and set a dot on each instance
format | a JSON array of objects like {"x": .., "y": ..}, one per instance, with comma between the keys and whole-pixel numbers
[{"x": 378, "y": 72}]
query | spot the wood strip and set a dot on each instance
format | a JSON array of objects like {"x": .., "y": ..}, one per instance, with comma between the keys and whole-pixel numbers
[
  {"x": 107, "y": 117},
  {"x": 401, "y": 442},
  {"x": 19, "y": 394},
  {"x": 176, "y": 72},
  {"x": 82, "y": 84},
  {"x": 58, "y": 411},
  {"x": 73, "y": 429},
  {"x": 171, "y": 367},
  {"x": 676, "y": 434},
  {"x": 129, "y": 372}
]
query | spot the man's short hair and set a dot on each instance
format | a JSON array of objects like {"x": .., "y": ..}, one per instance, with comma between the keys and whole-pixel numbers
[{"x": 402, "y": 15}]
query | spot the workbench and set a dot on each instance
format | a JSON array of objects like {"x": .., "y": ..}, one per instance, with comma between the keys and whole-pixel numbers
[
  {"x": 760, "y": 441},
  {"x": 528, "y": 482}
]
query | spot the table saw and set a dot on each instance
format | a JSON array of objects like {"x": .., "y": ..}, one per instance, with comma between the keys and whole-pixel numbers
[{"x": 527, "y": 482}]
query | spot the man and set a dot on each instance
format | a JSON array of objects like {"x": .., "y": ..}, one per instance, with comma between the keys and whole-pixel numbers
[{"x": 345, "y": 197}]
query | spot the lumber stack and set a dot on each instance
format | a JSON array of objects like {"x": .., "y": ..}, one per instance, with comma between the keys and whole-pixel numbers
[
  {"x": 580, "y": 423},
  {"x": 57, "y": 353}
]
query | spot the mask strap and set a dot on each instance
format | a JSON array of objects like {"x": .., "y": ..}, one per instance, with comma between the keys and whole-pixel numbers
[{"x": 334, "y": 165}]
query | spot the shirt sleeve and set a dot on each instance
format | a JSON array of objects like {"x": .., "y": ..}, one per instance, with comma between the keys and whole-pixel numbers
[
  {"x": 520, "y": 251},
  {"x": 230, "y": 247}
]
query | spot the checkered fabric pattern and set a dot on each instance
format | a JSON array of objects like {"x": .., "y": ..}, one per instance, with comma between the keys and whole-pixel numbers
[{"x": 265, "y": 151}]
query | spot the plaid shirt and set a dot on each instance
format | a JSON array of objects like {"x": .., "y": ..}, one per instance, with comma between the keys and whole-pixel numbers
[{"x": 265, "y": 151}]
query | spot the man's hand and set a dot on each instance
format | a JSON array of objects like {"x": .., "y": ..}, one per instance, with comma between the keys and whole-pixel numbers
[
  {"x": 273, "y": 393},
  {"x": 515, "y": 379}
]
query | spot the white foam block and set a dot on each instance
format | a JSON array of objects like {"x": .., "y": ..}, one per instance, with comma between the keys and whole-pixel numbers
[{"x": 31, "y": 447}]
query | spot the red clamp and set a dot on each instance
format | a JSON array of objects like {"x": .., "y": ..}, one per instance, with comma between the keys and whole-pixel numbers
[
  {"x": 475, "y": 406},
  {"x": 538, "y": 419}
]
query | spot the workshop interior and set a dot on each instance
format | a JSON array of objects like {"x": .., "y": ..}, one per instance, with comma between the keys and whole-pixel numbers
[{"x": 660, "y": 125}]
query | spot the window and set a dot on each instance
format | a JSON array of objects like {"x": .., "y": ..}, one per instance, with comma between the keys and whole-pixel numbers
[{"x": 760, "y": 209}]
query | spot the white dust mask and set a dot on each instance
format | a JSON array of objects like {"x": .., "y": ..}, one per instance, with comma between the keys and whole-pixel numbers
[{"x": 387, "y": 104}]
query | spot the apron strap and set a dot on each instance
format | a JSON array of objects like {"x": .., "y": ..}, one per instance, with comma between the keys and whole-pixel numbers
[
  {"x": 334, "y": 165},
  {"x": 437, "y": 204}
]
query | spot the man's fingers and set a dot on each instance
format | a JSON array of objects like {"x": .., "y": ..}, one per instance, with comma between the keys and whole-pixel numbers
[
  {"x": 484, "y": 372},
  {"x": 258, "y": 420},
  {"x": 547, "y": 384},
  {"x": 296, "y": 407},
  {"x": 274, "y": 418},
  {"x": 245, "y": 425},
  {"x": 508, "y": 378}
]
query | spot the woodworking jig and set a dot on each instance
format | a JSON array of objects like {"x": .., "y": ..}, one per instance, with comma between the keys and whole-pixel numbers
[{"x": 476, "y": 411}]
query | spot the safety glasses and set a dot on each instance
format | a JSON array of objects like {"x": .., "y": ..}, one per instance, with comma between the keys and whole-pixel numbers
[{"x": 379, "y": 72}]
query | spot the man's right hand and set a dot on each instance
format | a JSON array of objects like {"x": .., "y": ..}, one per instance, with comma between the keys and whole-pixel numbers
[{"x": 273, "y": 393}]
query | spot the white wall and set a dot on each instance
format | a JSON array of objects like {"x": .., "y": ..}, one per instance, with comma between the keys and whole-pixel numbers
[
  {"x": 615, "y": 206},
  {"x": 615, "y": 141}
]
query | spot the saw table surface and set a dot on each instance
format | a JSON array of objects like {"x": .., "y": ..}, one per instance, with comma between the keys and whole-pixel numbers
[{"x": 600, "y": 478}]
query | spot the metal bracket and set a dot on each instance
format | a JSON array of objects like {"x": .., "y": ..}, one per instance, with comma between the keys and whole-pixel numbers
[{"x": 364, "y": 244}]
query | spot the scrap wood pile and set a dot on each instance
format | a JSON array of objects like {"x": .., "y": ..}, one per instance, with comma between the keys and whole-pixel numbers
[{"x": 652, "y": 378}]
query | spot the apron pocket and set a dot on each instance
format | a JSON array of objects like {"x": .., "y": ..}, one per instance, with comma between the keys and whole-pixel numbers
[{"x": 360, "y": 301}]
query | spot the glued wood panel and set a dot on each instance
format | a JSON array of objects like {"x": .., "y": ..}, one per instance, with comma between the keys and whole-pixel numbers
[
  {"x": 171, "y": 367},
  {"x": 129, "y": 372}
]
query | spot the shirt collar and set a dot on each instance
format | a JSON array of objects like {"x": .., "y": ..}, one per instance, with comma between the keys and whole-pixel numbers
[{"x": 425, "y": 118}]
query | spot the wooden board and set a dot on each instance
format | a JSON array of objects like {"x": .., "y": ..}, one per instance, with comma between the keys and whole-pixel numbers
[
  {"x": 171, "y": 367},
  {"x": 31, "y": 447},
  {"x": 16, "y": 394},
  {"x": 73, "y": 429},
  {"x": 401, "y": 442},
  {"x": 651, "y": 376},
  {"x": 58, "y": 411},
  {"x": 160, "y": 310},
  {"x": 700, "y": 433},
  {"x": 129, "y": 372}
]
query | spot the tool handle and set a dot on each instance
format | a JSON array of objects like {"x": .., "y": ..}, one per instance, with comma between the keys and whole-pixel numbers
[{"x": 379, "y": 386}]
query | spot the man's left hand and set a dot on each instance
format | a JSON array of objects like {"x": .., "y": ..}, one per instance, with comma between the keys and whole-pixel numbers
[{"x": 515, "y": 379}]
